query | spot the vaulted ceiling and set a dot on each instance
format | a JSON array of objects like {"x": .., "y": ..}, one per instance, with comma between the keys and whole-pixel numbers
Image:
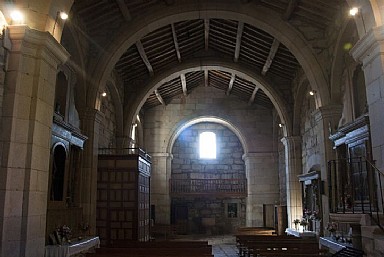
[{"x": 172, "y": 44}]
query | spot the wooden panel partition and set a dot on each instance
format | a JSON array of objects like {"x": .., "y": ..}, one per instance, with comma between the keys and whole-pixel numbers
[{"x": 123, "y": 190}]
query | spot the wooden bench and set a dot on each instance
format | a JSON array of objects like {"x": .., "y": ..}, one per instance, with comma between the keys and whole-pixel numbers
[
  {"x": 249, "y": 245},
  {"x": 157, "y": 249},
  {"x": 255, "y": 231}
]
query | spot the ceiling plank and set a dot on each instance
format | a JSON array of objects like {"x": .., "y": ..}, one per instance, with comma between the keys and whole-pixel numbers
[
  {"x": 271, "y": 55},
  {"x": 206, "y": 33},
  {"x": 240, "y": 28},
  {"x": 161, "y": 100},
  {"x": 124, "y": 10},
  {"x": 230, "y": 85},
  {"x": 252, "y": 99},
  {"x": 291, "y": 7},
  {"x": 176, "y": 42},
  {"x": 183, "y": 83},
  {"x": 206, "y": 78},
  {"x": 144, "y": 56}
]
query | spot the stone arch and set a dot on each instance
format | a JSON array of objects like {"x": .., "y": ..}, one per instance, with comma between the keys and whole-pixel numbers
[
  {"x": 201, "y": 64},
  {"x": 302, "y": 90},
  {"x": 180, "y": 128},
  {"x": 266, "y": 20}
]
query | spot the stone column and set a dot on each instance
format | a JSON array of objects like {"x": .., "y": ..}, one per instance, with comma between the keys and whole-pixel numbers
[
  {"x": 370, "y": 51},
  {"x": 25, "y": 139},
  {"x": 160, "y": 175},
  {"x": 327, "y": 119},
  {"x": 293, "y": 168},
  {"x": 90, "y": 120},
  {"x": 263, "y": 185}
]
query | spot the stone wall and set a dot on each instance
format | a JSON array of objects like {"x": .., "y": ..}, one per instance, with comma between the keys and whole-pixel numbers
[{"x": 209, "y": 215}]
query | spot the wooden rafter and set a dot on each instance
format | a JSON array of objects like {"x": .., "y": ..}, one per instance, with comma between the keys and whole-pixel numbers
[
  {"x": 124, "y": 10},
  {"x": 240, "y": 28},
  {"x": 176, "y": 42},
  {"x": 206, "y": 33},
  {"x": 291, "y": 7},
  {"x": 206, "y": 77},
  {"x": 230, "y": 85},
  {"x": 183, "y": 84},
  {"x": 253, "y": 96},
  {"x": 144, "y": 57},
  {"x": 271, "y": 55},
  {"x": 161, "y": 100}
]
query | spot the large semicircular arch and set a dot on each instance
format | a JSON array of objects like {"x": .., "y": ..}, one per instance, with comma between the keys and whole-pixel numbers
[
  {"x": 254, "y": 15},
  {"x": 201, "y": 64}
]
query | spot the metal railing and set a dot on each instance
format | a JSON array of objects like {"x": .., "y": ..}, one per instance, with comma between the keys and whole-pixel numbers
[
  {"x": 230, "y": 187},
  {"x": 355, "y": 186}
]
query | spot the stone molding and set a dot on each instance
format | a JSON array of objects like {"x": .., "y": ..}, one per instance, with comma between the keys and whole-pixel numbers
[
  {"x": 162, "y": 155},
  {"x": 22, "y": 37},
  {"x": 369, "y": 46},
  {"x": 248, "y": 156}
]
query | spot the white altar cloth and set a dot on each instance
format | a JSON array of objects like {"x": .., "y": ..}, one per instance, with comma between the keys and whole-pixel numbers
[{"x": 76, "y": 247}]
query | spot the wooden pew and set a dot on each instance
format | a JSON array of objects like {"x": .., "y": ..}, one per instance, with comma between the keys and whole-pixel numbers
[
  {"x": 280, "y": 245},
  {"x": 255, "y": 231}
]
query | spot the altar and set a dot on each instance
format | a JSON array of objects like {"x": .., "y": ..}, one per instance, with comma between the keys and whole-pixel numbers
[
  {"x": 300, "y": 233},
  {"x": 84, "y": 245}
]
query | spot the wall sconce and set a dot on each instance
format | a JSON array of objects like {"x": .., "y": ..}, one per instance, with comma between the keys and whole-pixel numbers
[
  {"x": 354, "y": 11},
  {"x": 281, "y": 125},
  {"x": 104, "y": 94},
  {"x": 17, "y": 17},
  {"x": 312, "y": 92},
  {"x": 62, "y": 15}
]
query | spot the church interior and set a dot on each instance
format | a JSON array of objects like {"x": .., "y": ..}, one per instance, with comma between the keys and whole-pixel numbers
[{"x": 127, "y": 121}]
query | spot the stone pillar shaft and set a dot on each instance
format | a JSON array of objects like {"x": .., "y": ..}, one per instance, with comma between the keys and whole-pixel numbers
[
  {"x": 90, "y": 120},
  {"x": 25, "y": 139},
  {"x": 293, "y": 169},
  {"x": 160, "y": 175},
  {"x": 263, "y": 185}
]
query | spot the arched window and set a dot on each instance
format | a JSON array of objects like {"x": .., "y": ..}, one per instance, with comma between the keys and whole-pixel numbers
[
  {"x": 207, "y": 142},
  {"x": 58, "y": 172}
]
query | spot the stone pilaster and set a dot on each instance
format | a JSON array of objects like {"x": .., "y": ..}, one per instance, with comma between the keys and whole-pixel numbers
[
  {"x": 160, "y": 175},
  {"x": 25, "y": 139},
  {"x": 263, "y": 185},
  {"x": 370, "y": 51},
  {"x": 90, "y": 120},
  {"x": 293, "y": 168}
]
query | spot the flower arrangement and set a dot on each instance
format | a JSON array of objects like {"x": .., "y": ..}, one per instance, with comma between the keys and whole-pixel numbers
[
  {"x": 64, "y": 231},
  {"x": 296, "y": 222},
  {"x": 332, "y": 227}
]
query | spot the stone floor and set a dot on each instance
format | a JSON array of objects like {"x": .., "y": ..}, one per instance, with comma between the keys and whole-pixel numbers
[{"x": 222, "y": 246}]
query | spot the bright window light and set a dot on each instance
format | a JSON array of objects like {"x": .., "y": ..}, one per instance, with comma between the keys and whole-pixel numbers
[{"x": 207, "y": 143}]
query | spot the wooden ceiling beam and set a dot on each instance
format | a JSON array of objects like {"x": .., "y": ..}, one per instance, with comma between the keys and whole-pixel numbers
[
  {"x": 124, "y": 10},
  {"x": 240, "y": 28},
  {"x": 206, "y": 78},
  {"x": 206, "y": 33},
  {"x": 183, "y": 83},
  {"x": 175, "y": 42},
  {"x": 291, "y": 7},
  {"x": 253, "y": 96},
  {"x": 230, "y": 85},
  {"x": 271, "y": 55},
  {"x": 144, "y": 56},
  {"x": 161, "y": 100}
]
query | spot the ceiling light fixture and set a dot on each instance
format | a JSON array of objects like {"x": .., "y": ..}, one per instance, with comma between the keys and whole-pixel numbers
[
  {"x": 104, "y": 94},
  {"x": 312, "y": 92},
  {"x": 281, "y": 125}
]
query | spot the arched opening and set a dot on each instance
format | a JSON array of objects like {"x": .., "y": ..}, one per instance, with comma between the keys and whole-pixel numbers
[{"x": 58, "y": 174}]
